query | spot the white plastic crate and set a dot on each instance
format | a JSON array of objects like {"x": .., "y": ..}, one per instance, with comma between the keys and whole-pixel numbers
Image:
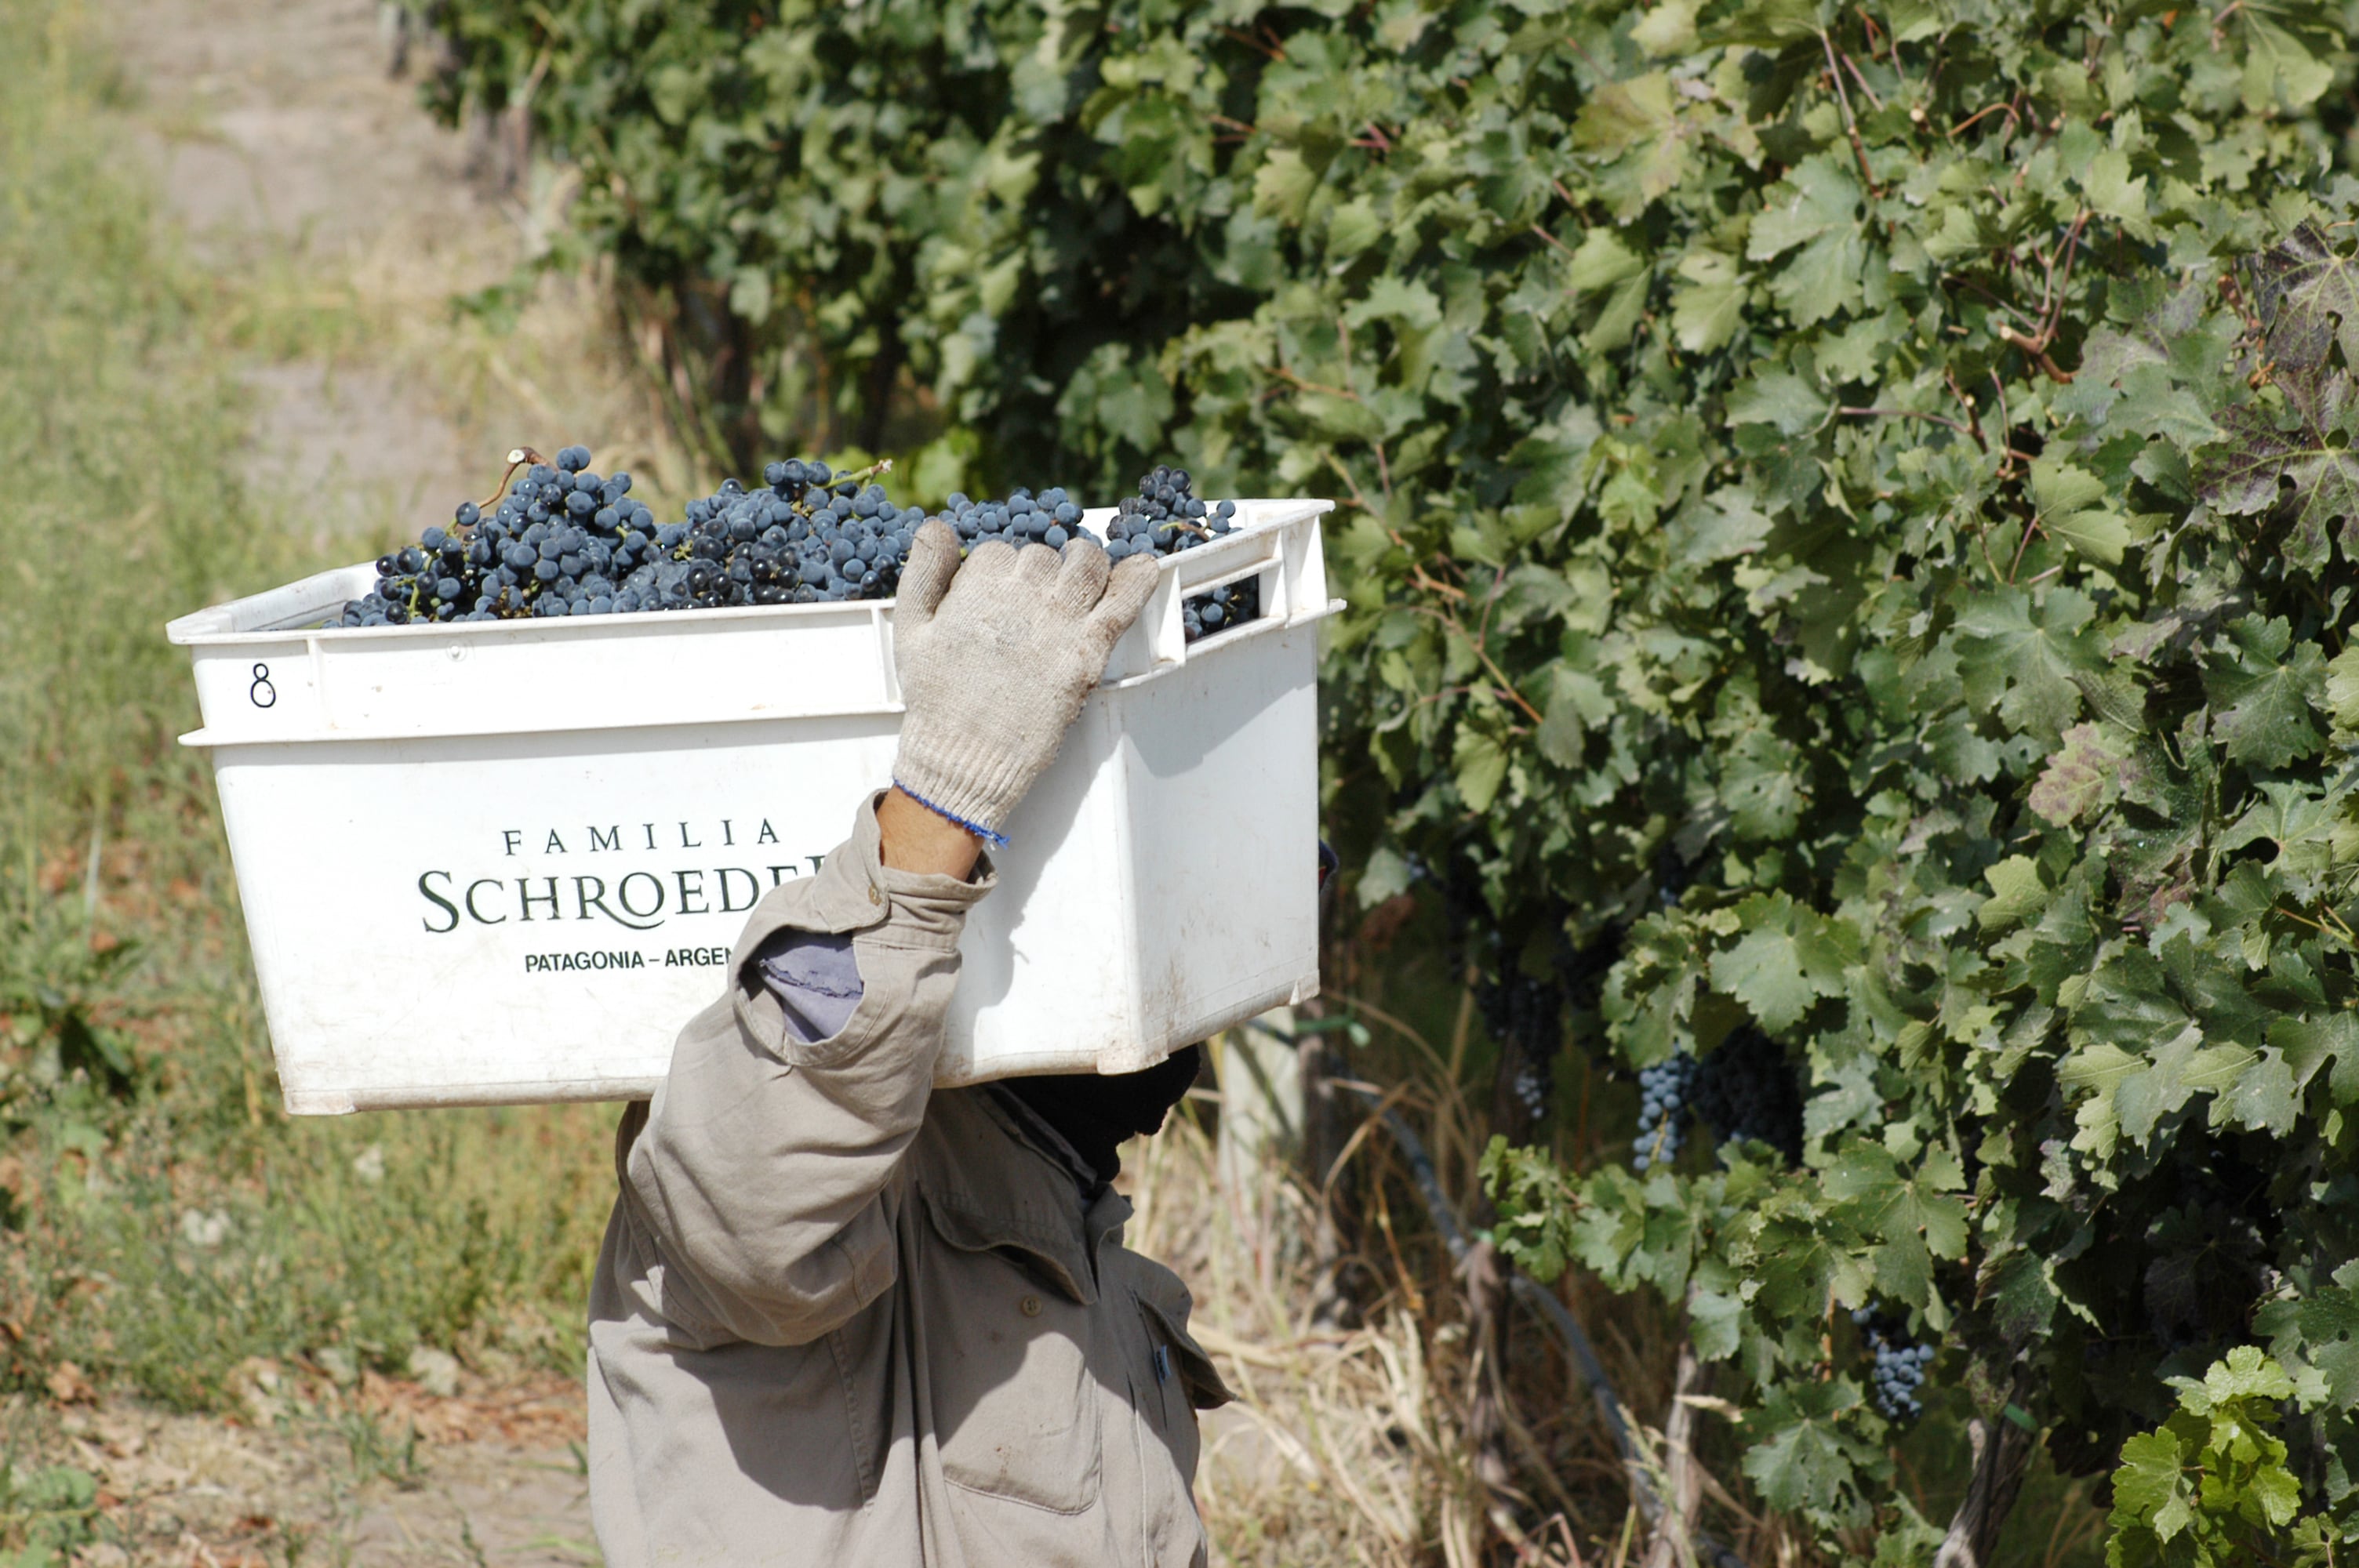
[{"x": 503, "y": 862}]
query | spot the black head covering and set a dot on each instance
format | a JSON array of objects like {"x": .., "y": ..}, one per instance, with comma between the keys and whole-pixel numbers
[{"x": 1095, "y": 1112}]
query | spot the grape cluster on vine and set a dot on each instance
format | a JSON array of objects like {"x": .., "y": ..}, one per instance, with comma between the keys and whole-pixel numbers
[
  {"x": 1900, "y": 1366},
  {"x": 565, "y": 540},
  {"x": 1749, "y": 1091},
  {"x": 1662, "y": 1109},
  {"x": 1745, "y": 1091},
  {"x": 1524, "y": 1015}
]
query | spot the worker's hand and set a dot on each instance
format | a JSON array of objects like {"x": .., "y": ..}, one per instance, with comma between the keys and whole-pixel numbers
[{"x": 996, "y": 658}]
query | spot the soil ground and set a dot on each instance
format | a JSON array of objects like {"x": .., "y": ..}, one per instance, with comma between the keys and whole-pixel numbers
[{"x": 378, "y": 1476}]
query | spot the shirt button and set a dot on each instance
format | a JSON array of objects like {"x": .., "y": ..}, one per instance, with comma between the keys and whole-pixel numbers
[
  {"x": 873, "y": 896},
  {"x": 1031, "y": 1307}
]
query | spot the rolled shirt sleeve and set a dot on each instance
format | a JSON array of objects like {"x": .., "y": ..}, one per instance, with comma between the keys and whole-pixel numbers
[
  {"x": 815, "y": 977},
  {"x": 763, "y": 1176}
]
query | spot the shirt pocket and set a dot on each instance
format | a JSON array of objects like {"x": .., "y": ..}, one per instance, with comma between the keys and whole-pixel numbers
[
  {"x": 1015, "y": 1410},
  {"x": 1166, "y": 1393},
  {"x": 1185, "y": 1381},
  {"x": 1183, "y": 1365}
]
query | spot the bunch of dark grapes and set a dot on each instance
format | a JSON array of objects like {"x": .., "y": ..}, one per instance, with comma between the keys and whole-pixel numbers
[
  {"x": 561, "y": 542},
  {"x": 431, "y": 580},
  {"x": 1746, "y": 1089},
  {"x": 1051, "y": 518},
  {"x": 807, "y": 537},
  {"x": 1662, "y": 1109},
  {"x": 567, "y": 541},
  {"x": 1900, "y": 1369},
  {"x": 1164, "y": 518},
  {"x": 1525, "y": 1017}
]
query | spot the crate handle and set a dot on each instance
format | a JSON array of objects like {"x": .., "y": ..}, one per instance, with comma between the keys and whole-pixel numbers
[{"x": 1276, "y": 541}]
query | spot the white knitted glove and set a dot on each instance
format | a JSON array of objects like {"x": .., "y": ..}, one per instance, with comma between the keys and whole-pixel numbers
[{"x": 996, "y": 658}]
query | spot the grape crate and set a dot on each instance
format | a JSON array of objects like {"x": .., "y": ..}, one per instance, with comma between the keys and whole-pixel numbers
[{"x": 599, "y": 841}]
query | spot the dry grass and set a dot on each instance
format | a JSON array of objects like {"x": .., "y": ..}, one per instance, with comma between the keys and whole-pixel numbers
[
  {"x": 1347, "y": 1443},
  {"x": 1339, "y": 1448}
]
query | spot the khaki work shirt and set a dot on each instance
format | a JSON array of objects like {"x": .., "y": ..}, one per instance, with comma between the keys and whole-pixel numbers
[{"x": 842, "y": 1318}]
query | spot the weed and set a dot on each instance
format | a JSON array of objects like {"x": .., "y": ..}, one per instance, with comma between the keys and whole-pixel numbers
[
  {"x": 45, "y": 1514},
  {"x": 379, "y": 1453}
]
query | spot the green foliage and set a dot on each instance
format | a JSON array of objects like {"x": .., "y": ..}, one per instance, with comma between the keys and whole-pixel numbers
[
  {"x": 159, "y": 1221},
  {"x": 2210, "y": 1485},
  {"x": 46, "y": 1514},
  {"x": 1853, "y": 504}
]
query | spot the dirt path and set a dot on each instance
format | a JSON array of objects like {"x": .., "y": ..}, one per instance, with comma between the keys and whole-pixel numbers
[
  {"x": 377, "y": 1477},
  {"x": 290, "y": 157},
  {"x": 311, "y": 183}
]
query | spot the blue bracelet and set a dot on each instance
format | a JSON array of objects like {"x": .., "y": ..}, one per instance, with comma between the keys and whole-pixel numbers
[{"x": 996, "y": 841}]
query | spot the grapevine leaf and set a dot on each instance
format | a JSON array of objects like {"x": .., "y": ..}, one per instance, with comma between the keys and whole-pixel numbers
[
  {"x": 2100, "y": 1067},
  {"x": 1761, "y": 790},
  {"x": 2150, "y": 1488},
  {"x": 1820, "y": 195},
  {"x": 1482, "y": 767},
  {"x": 2278, "y": 1493},
  {"x": 1283, "y": 184},
  {"x": 2292, "y": 442},
  {"x": 2067, "y": 497},
  {"x": 2263, "y": 1098},
  {"x": 1728, "y": 525},
  {"x": 2113, "y": 191},
  {"x": 1805, "y": 1456},
  {"x": 2264, "y": 690},
  {"x": 1385, "y": 876},
  {"x": 1787, "y": 959},
  {"x": 2309, "y": 290},
  {"x": 2342, "y": 687},
  {"x": 2298, "y": 453},
  {"x": 2022, "y": 661},
  {"x": 1891, "y": 1202},
  {"x": 1820, "y": 216},
  {"x": 2246, "y": 1372},
  {"x": 1669, "y": 28},
  {"x": 1707, "y": 311},
  {"x": 2281, "y": 70},
  {"x": 1767, "y": 25},
  {"x": 2330, "y": 1330},
  {"x": 2082, "y": 774},
  {"x": 1601, "y": 261},
  {"x": 2017, "y": 892},
  {"x": 1713, "y": 1324},
  {"x": 1634, "y": 130},
  {"x": 1779, "y": 398},
  {"x": 2309, "y": 1044}
]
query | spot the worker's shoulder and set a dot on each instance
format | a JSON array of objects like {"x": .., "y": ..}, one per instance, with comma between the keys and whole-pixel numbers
[
  {"x": 981, "y": 1186},
  {"x": 968, "y": 1154}
]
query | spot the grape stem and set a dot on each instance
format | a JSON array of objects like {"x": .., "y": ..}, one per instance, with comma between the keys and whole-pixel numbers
[{"x": 518, "y": 458}]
